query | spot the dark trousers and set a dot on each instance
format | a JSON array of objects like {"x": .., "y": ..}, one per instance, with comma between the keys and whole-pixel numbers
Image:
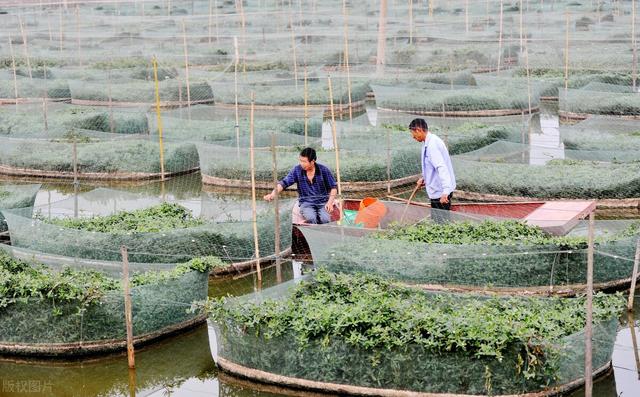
[{"x": 440, "y": 215}]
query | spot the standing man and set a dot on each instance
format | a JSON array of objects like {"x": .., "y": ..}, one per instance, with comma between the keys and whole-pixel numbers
[
  {"x": 437, "y": 171},
  {"x": 317, "y": 188}
]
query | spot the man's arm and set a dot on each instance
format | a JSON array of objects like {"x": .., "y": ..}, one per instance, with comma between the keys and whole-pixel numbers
[{"x": 288, "y": 180}]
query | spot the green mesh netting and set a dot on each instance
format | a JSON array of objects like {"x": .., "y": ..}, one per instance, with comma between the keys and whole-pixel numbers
[
  {"x": 405, "y": 366},
  {"x": 16, "y": 196}
]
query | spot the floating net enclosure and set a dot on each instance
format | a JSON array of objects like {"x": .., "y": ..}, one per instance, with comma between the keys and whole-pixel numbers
[
  {"x": 491, "y": 250},
  {"x": 16, "y": 196},
  {"x": 78, "y": 311},
  {"x": 331, "y": 358},
  {"x": 160, "y": 232}
]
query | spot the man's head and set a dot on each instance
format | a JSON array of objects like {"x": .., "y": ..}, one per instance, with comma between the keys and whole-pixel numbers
[
  {"x": 307, "y": 158},
  {"x": 419, "y": 129}
]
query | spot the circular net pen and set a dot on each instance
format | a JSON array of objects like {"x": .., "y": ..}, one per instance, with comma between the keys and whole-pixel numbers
[
  {"x": 95, "y": 225},
  {"x": 330, "y": 359},
  {"x": 506, "y": 249},
  {"x": 75, "y": 308}
]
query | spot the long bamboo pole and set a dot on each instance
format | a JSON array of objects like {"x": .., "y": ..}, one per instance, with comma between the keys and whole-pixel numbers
[
  {"x": 112, "y": 126},
  {"x": 77, "y": 13},
  {"x": 521, "y": 28},
  {"x": 382, "y": 38},
  {"x": 25, "y": 45},
  {"x": 306, "y": 108},
  {"x": 634, "y": 49},
  {"x": 159, "y": 118},
  {"x": 634, "y": 276},
  {"x": 186, "y": 68},
  {"x": 335, "y": 142},
  {"x": 235, "y": 85},
  {"x": 276, "y": 199},
  {"x": 346, "y": 56},
  {"x": 588, "y": 334},
  {"x": 128, "y": 316},
  {"x": 466, "y": 17},
  {"x": 45, "y": 96},
  {"x": 209, "y": 23},
  {"x": 410, "y": 21},
  {"x": 500, "y": 38},
  {"x": 293, "y": 51},
  {"x": 253, "y": 191},
  {"x": 61, "y": 28},
  {"x": 566, "y": 56},
  {"x": 13, "y": 68}
]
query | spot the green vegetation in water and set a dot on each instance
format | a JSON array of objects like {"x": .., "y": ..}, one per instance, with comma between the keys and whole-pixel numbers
[
  {"x": 159, "y": 218},
  {"x": 510, "y": 232},
  {"x": 21, "y": 281},
  {"x": 369, "y": 312}
]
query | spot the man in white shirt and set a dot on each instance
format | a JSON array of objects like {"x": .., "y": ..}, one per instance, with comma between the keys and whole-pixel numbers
[{"x": 437, "y": 171}]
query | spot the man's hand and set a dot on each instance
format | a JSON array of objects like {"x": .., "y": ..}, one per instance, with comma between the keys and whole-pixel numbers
[
  {"x": 269, "y": 196},
  {"x": 444, "y": 199},
  {"x": 329, "y": 206},
  {"x": 420, "y": 182}
]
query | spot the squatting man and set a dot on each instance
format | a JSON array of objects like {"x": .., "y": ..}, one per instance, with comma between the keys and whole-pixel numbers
[{"x": 317, "y": 188}]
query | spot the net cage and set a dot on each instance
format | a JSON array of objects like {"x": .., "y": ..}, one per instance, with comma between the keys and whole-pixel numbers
[
  {"x": 477, "y": 248},
  {"x": 89, "y": 317},
  {"x": 16, "y": 196},
  {"x": 327, "y": 360},
  {"x": 96, "y": 224}
]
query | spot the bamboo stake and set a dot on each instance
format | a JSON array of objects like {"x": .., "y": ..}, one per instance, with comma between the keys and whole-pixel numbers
[
  {"x": 634, "y": 341},
  {"x": 61, "y": 28},
  {"x": 634, "y": 276},
  {"x": 253, "y": 191},
  {"x": 526, "y": 57},
  {"x": 634, "y": 49},
  {"x": 500, "y": 39},
  {"x": 235, "y": 84},
  {"x": 15, "y": 74},
  {"x": 77, "y": 12},
  {"x": 186, "y": 68},
  {"x": 410, "y": 21},
  {"x": 112, "y": 126},
  {"x": 588, "y": 334},
  {"x": 276, "y": 200},
  {"x": 215, "y": 4},
  {"x": 210, "y": 17},
  {"x": 306, "y": 108},
  {"x": 293, "y": 50},
  {"x": 132, "y": 371},
  {"x": 168, "y": 8},
  {"x": 521, "y": 35},
  {"x": 131, "y": 360},
  {"x": 45, "y": 96},
  {"x": 159, "y": 117},
  {"x": 335, "y": 143},
  {"x": 50, "y": 32},
  {"x": 486, "y": 15},
  {"x": 430, "y": 8},
  {"x": 566, "y": 56},
  {"x": 244, "y": 35},
  {"x": 346, "y": 57},
  {"x": 388, "y": 160},
  {"x": 466, "y": 16},
  {"x": 382, "y": 38},
  {"x": 25, "y": 45}
]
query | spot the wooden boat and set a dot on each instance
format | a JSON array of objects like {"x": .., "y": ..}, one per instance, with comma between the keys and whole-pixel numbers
[{"x": 554, "y": 217}]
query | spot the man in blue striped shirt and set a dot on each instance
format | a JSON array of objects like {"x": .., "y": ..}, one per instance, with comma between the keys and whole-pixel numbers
[
  {"x": 317, "y": 188},
  {"x": 437, "y": 171}
]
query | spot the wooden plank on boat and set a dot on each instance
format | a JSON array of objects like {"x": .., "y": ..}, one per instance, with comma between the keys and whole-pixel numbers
[{"x": 559, "y": 217}]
